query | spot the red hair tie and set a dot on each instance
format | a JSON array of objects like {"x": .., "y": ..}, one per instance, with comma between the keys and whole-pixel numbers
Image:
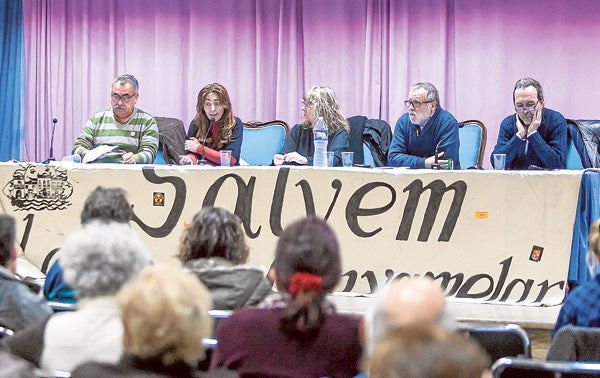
[{"x": 304, "y": 282}]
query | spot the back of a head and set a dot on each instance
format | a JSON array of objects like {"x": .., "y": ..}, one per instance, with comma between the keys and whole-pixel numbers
[
  {"x": 7, "y": 237},
  {"x": 214, "y": 232},
  {"x": 165, "y": 314},
  {"x": 307, "y": 266},
  {"x": 405, "y": 302},
  {"x": 108, "y": 204},
  {"x": 308, "y": 246},
  {"x": 426, "y": 352},
  {"x": 99, "y": 257}
]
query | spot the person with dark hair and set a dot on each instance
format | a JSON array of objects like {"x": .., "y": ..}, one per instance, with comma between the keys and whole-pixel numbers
[
  {"x": 19, "y": 305},
  {"x": 104, "y": 204},
  {"x": 581, "y": 306},
  {"x": 131, "y": 132},
  {"x": 298, "y": 147},
  {"x": 96, "y": 266},
  {"x": 214, "y": 247},
  {"x": 535, "y": 136},
  {"x": 295, "y": 332},
  {"x": 213, "y": 129},
  {"x": 426, "y": 135},
  {"x": 427, "y": 351}
]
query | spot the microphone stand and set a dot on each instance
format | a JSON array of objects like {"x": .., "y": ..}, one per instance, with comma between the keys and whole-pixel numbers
[
  {"x": 51, "y": 157},
  {"x": 436, "y": 164},
  {"x": 203, "y": 160}
]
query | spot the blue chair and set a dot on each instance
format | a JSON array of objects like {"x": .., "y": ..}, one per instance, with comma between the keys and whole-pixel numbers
[
  {"x": 509, "y": 367},
  {"x": 369, "y": 139},
  {"x": 472, "y": 135},
  {"x": 171, "y": 140},
  {"x": 577, "y": 149},
  {"x": 262, "y": 141}
]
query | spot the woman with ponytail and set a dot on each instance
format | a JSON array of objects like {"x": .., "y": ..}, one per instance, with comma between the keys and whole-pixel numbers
[{"x": 295, "y": 332}]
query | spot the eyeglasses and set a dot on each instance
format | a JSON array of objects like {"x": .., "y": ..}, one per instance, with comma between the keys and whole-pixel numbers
[
  {"x": 305, "y": 104},
  {"x": 415, "y": 103},
  {"x": 529, "y": 107},
  {"x": 125, "y": 98}
]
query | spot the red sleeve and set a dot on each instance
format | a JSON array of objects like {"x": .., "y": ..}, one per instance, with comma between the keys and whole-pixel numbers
[{"x": 214, "y": 156}]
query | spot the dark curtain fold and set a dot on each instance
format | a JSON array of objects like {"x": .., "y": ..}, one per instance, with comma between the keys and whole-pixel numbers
[{"x": 12, "y": 80}]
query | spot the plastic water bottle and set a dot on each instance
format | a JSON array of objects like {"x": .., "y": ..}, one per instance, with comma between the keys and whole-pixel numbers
[{"x": 320, "y": 137}]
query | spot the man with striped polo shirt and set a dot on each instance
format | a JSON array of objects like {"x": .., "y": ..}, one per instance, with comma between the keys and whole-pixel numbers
[{"x": 121, "y": 134}]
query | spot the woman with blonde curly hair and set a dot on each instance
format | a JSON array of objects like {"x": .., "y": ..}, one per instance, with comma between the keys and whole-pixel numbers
[
  {"x": 213, "y": 129},
  {"x": 298, "y": 148}
]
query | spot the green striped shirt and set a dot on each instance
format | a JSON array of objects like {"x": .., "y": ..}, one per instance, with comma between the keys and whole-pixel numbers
[{"x": 138, "y": 135}]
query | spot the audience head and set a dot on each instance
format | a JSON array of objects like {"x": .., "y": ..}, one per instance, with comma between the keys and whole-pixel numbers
[
  {"x": 593, "y": 253},
  {"x": 426, "y": 352},
  {"x": 214, "y": 232},
  {"x": 99, "y": 257},
  {"x": 107, "y": 204},
  {"x": 322, "y": 102},
  {"x": 404, "y": 302},
  {"x": 423, "y": 100},
  {"x": 165, "y": 315},
  {"x": 307, "y": 266},
  {"x": 124, "y": 96},
  {"x": 8, "y": 242}
]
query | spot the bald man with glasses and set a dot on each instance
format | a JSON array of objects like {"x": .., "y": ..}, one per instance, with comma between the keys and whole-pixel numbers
[
  {"x": 426, "y": 136},
  {"x": 534, "y": 137},
  {"x": 124, "y": 133}
]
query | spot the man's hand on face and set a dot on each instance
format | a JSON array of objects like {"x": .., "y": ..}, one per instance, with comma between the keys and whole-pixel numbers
[
  {"x": 537, "y": 119},
  {"x": 521, "y": 129}
]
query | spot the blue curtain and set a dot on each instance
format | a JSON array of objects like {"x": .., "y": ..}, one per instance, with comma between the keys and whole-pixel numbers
[{"x": 12, "y": 80}]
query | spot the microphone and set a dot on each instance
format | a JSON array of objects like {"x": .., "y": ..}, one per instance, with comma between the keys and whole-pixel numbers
[
  {"x": 202, "y": 160},
  {"x": 51, "y": 158},
  {"x": 436, "y": 164}
]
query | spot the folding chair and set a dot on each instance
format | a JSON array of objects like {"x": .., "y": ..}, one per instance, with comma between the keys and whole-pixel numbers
[
  {"x": 572, "y": 343},
  {"x": 510, "y": 367},
  {"x": 508, "y": 340}
]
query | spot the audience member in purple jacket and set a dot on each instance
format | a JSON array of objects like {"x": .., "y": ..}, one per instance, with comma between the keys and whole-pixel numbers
[
  {"x": 423, "y": 131},
  {"x": 296, "y": 332},
  {"x": 535, "y": 136}
]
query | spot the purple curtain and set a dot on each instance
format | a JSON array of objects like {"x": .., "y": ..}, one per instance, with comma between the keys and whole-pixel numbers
[{"x": 267, "y": 52}]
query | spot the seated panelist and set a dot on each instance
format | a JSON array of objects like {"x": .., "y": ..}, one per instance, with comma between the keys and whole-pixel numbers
[
  {"x": 426, "y": 135},
  {"x": 298, "y": 147},
  {"x": 535, "y": 136},
  {"x": 213, "y": 129},
  {"x": 121, "y": 134}
]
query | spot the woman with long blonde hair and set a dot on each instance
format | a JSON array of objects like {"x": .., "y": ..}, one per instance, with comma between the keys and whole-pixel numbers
[
  {"x": 213, "y": 129},
  {"x": 298, "y": 148}
]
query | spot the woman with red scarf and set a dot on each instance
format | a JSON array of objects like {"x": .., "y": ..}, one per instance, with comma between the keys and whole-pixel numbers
[{"x": 295, "y": 332}]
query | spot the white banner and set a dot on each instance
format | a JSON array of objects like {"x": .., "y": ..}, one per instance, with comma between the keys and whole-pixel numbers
[{"x": 486, "y": 236}]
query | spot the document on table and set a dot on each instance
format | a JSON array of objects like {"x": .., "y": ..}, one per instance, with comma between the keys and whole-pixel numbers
[{"x": 97, "y": 152}]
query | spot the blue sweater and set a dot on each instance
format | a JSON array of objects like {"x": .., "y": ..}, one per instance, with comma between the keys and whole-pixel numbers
[
  {"x": 546, "y": 148},
  {"x": 300, "y": 140},
  {"x": 409, "y": 150}
]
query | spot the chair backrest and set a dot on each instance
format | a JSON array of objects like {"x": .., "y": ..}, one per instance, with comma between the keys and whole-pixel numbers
[
  {"x": 510, "y": 367},
  {"x": 262, "y": 141},
  {"x": 581, "y": 147},
  {"x": 499, "y": 341},
  {"x": 369, "y": 139},
  {"x": 572, "y": 343},
  {"x": 171, "y": 140},
  {"x": 472, "y": 136}
]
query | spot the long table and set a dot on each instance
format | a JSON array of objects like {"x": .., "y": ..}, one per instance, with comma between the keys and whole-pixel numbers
[{"x": 486, "y": 236}]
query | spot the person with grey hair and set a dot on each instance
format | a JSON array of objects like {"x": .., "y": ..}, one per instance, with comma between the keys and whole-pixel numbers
[
  {"x": 130, "y": 132},
  {"x": 426, "y": 136},
  {"x": 19, "y": 305},
  {"x": 96, "y": 266},
  {"x": 403, "y": 303},
  {"x": 535, "y": 136}
]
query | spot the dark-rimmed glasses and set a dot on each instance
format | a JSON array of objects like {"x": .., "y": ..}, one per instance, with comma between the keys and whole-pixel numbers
[
  {"x": 529, "y": 107},
  {"x": 125, "y": 98},
  {"x": 415, "y": 103}
]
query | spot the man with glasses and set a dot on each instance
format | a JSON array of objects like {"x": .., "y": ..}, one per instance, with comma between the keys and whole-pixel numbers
[
  {"x": 427, "y": 135},
  {"x": 122, "y": 133},
  {"x": 535, "y": 137}
]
